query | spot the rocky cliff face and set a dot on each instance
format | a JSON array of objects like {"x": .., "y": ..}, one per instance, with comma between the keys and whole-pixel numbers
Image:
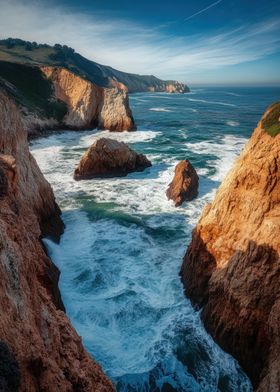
[
  {"x": 39, "y": 349},
  {"x": 90, "y": 105},
  {"x": 232, "y": 266}
]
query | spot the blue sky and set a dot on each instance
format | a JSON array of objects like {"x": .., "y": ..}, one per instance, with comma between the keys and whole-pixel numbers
[{"x": 198, "y": 42}]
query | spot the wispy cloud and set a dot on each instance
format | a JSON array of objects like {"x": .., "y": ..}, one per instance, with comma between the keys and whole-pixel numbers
[
  {"x": 136, "y": 48},
  {"x": 203, "y": 10}
]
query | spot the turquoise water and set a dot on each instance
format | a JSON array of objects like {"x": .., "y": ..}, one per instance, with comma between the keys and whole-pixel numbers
[{"x": 124, "y": 242}]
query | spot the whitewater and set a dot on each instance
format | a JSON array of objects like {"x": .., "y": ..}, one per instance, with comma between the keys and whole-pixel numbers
[{"x": 123, "y": 244}]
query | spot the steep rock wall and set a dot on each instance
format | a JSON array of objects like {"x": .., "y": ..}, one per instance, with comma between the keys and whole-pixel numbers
[
  {"x": 232, "y": 266},
  {"x": 90, "y": 105},
  {"x": 39, "y": 349}
]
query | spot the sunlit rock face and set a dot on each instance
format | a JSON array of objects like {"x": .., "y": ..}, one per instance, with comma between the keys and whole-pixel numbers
[
  {"x": 184, "y": 186},
  {"x": 109, "y": 158},
  {"x": 89, "y": 105},
  {"x": 39, "y": 349},
  {"x": 232, "y": 266}
]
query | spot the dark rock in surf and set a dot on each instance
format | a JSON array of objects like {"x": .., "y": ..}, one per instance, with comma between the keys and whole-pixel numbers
[
  {"x": 109, "y": 158},
  {"x": 184, "y": 186}
]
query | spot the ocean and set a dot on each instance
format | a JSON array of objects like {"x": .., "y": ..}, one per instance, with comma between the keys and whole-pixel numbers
[{"x": 124, "y": 241}]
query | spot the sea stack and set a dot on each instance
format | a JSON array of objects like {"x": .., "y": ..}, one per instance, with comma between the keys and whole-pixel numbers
[
  {"x": 232, "y": 265},
  {"x": 109, "y": 158},
  {"x": 184, "y": 186}
]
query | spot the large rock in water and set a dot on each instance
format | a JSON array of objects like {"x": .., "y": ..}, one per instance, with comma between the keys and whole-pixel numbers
[
  {"x": 184, "y": 186},
  {"x": 39, "y": 348},
  {"x": 232, "y": 266},
  {"x": 109, "y": 158}
]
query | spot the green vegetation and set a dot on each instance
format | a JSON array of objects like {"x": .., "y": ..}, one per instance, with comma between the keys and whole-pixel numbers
[
  {"x": 30, "y": 88},
  {"x": 271, "y": 122},
  {"x": 25, "y": 52}
]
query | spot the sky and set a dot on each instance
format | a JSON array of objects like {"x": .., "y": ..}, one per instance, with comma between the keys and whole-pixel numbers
[{"x": 234, "y": 42}]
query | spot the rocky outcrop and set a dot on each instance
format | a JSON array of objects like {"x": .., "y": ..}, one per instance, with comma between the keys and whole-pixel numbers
[
  {"x": 89, "y": 105},
  {"x": 184, "y": 186},
  {"x": 232, "y": 266},
  {"x": 109, "y": 158},
  {"x": 39, "y": 349},
  {"x": 52, "y": 98}
]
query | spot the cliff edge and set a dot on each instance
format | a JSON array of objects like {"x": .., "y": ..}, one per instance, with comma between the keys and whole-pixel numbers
[
  {"x": 39, "y": 349},
  {"x": 232, "y": 265}
]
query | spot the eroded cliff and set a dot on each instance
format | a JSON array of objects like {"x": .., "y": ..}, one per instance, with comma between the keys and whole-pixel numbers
[
  {"x": 232, "y": 266},
  {"x": 90, "y": 105},
  {"x": 55, "y": 98},
  {"x": 39, "y": 349}
]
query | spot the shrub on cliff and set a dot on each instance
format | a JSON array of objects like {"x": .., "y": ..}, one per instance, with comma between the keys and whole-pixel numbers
[
  {"x": 31, "y": 89},
  {"x": 271, "y": 122}
]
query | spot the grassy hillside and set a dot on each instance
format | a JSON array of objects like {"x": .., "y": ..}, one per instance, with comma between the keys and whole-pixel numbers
[
  {"x": 31, "y": 89},
  {"x": 271, "y": 122},
  {"x": 19, "y": 51}
]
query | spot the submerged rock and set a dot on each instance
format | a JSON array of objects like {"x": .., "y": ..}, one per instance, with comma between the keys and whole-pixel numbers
[
  {"x": 109, "y": 158},
  {"x": 232, "y": 266},
  {"x": 184, "y": 186}
]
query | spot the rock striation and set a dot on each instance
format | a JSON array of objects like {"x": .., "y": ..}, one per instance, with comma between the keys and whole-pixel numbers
[
  {"x": 39, "y": 349},
  {"x": 232, "y": 265},
  {"x": 109, "y": 158},
  {"x": 184, "y": 186}
]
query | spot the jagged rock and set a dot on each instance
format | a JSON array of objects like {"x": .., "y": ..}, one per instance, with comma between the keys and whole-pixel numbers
[
  {"x": 109, "y": 158},
  {"x": 88, "y": 105},
  {"x": 39, "y": 349},
  {"x": 232, "y": 266},
  {"x": 184, "y": 186}
]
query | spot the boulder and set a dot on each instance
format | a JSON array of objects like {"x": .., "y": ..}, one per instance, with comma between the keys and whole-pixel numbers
[
  {"x": 109, "y": 158},
  {"x": 184, "y": 186}
]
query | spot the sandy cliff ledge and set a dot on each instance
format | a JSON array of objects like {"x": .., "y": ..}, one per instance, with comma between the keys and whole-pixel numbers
[
  {"x": 232, "y": 266},
  {"x": 39, "y": 349}
]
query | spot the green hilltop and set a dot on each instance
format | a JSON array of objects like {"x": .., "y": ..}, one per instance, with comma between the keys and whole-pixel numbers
[{"x": 31, "y": 53}]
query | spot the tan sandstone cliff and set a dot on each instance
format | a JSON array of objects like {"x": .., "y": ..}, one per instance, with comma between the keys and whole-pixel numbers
[
  {"x": 39, "y": 349},
  {"x": 90, "y": 105},
  {"x": 232, "y": 266}
]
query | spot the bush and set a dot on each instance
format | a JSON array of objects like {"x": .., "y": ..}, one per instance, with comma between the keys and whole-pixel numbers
[{"x": 271, "y": 123}]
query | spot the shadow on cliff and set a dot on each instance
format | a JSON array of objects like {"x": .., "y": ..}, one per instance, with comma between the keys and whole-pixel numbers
[{"x": 236, "y": 300}]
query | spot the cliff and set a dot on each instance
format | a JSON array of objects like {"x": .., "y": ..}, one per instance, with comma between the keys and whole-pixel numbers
[
  {"x": 232, "y": 266},
  {"x": 39, "y": 349},
  {"x": 19, "y": 51},
  {"x": 51, "y": 98},
  {"x": 90, "y": 105}
]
